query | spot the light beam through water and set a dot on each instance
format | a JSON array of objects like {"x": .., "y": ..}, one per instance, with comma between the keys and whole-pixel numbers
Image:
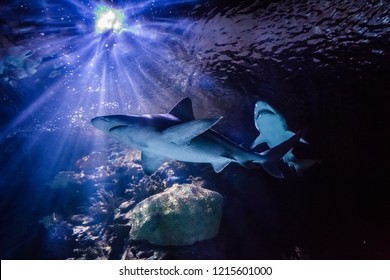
[{"x": 84, "y": 58}]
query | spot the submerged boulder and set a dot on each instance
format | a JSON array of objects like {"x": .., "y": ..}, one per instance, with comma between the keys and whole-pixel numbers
[{"x": 181, "y": 215}]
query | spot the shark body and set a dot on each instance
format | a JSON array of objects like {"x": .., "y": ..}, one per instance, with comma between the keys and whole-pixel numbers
[
  {"x": 273, "y": 131},
  {"x": 178, "y": 135}
]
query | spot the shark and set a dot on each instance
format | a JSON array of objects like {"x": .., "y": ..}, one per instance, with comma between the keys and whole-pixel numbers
[
  {"x": 273, "y": 131},
  {"x": 179, "y": 136}
]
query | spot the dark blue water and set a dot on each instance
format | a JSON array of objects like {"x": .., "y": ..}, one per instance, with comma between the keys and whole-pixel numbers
[{"x": 323, "y": 64}]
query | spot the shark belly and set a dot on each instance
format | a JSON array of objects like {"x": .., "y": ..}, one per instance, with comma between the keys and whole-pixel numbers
[
  {"x": 201, "y": 149},
  {"x": 276, "y": 136},
  {"x": 274, "y": 131}
]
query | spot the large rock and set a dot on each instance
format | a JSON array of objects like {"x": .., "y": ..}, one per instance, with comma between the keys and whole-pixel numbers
[{"x": 181, "y": 215}]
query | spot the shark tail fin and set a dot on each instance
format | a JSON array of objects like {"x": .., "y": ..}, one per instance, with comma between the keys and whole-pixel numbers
[{"x": 270, "y": 159}]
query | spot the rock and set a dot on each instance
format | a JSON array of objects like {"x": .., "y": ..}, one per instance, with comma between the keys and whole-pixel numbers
[
  {"x": 91, "y": 161},
  {"x": 64, "y": 179},
  {"x": 144, "y": 255},
  {"x": 181, "y": 215},
  {"x": 126, "y": 205},
  {"x": 17, "y": 62},
  {"x": 50, "y": 220},
  {"x": 81, "y": 219}
]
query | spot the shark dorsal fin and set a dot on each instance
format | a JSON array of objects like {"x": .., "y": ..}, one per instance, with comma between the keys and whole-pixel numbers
[{"x": 183, "y": 110}]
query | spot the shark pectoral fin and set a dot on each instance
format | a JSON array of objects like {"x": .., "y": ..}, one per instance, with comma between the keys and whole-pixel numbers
[
  {"x": 304, "y": 141},
  {"x": 290, "y": 134},
  {"x": 259, "y": 140},
  {"x": 219, "y": 166},
  {"x": 273, "y": 169},
  {"x": 183, "y": 133},
  {"x": 151, "y": 163},
  {"x": 277, "y": 152}
]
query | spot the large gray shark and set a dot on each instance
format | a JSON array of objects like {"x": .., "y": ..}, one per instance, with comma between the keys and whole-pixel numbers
[
  {"x": 178, "y": 135},
  {"x": 273, "y": 131}
]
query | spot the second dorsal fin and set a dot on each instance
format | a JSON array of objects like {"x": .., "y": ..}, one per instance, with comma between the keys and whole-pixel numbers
[{"x": 183, "y": 110}]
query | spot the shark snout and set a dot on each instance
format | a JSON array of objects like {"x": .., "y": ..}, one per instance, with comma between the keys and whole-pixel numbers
[
  {"x": 98, "y": 119},
  {"x": 101, "y": 123},
  {"x": 108, "y": 124}
]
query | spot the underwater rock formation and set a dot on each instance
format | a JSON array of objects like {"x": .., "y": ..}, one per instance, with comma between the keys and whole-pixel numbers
[
  {"x": 181, "y": 215},
  {"x": 16, "y": 62},
  {"x": 65, "y": 179},
  {"x": 97, "y": 199}
]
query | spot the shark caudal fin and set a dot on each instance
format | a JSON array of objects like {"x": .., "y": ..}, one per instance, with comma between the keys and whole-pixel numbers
[{"x": 270, "y": 159}]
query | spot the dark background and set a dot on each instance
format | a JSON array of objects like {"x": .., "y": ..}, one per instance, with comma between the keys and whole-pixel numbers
[{"x": 327, "y": 71}]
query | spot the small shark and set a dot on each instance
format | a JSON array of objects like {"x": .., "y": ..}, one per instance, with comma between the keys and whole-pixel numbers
[
  {"x": 273, "y": 131},
  {"x": 178, "y": 135}
]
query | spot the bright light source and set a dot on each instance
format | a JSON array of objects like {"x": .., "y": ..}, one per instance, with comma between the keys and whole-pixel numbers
[{"x": 109, "y": 19}]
